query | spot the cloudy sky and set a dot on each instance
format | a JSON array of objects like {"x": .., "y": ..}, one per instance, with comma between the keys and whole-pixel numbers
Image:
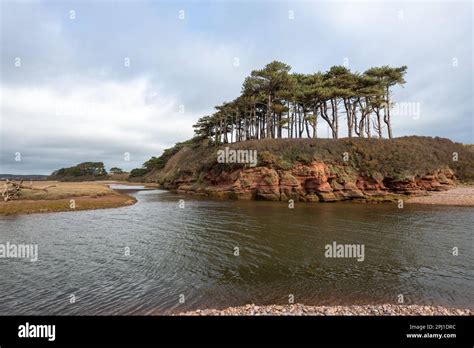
[{"x": 110, "y": 81}]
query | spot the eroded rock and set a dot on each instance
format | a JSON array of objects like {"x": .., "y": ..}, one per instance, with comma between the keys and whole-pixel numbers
[{"x": 312, "y": 182}]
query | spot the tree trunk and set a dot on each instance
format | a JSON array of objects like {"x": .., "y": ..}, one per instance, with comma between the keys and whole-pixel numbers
[
  {"x": 350, "y": 121},
  {"x": 379, "y": 123},
  {"x": 368, "y": 126},
  {"x": 335, "y": 119},
  {"x": 225, "y": 132},
  {"x": 306, "y": 123},
  {"x": 315, "y": 123},
  {"x": 386, "y": 117},
  {"x": 268, "y": 116},
  {"x": 324, "y": 115}
]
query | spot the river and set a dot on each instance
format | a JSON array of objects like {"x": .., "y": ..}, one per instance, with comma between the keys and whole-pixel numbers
[{"x": 163, "y": 256}]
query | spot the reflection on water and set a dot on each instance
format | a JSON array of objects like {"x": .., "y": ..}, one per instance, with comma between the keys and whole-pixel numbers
[
  {"x": 126, "y": 187},
  {"x": 190, "y": 251}
]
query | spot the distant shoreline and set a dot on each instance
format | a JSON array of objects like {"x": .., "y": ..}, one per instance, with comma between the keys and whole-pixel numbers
[{"x": 300, "y": 309}]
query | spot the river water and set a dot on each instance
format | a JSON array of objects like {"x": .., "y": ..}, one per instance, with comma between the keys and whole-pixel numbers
[{"x": 156, "y": 257}]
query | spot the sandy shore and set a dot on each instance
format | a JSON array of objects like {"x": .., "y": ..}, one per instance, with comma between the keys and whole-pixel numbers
[
  {"x": 458, "y": 196},
  {"x": 299, "y": 309}
]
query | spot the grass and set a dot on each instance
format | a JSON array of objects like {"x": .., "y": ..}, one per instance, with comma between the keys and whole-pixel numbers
[
  {"x": 398, "y": 158},
  {"x": 64, "y": 190},
  {"x": 86, "y": 195}
]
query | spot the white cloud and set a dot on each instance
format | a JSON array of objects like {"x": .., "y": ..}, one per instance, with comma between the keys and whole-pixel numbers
[{"x": 91, "y": 117}]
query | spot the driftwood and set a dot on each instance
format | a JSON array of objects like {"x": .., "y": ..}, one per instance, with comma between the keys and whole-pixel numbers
[{"x": 12, "y": 189}]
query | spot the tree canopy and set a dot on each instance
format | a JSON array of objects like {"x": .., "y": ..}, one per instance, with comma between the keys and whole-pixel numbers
[{"x": 275, "y": 103}]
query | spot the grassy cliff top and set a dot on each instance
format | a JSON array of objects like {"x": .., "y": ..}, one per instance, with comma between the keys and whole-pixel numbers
[{"x": 397, "y": 158}]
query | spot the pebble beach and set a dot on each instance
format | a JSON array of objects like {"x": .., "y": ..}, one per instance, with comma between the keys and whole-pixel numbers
[{"x": 301, "y": 310}]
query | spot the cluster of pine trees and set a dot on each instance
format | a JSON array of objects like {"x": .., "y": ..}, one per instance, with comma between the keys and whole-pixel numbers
[
  {"x": 86, "y": 170},
  {"x": 275, "y": 103}
]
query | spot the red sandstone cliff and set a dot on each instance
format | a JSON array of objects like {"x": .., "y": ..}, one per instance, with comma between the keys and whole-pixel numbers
[{"x": 313, "y": 182}]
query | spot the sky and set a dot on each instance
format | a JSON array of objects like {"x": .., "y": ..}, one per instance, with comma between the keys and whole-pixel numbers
[{"x": 119, "y": 81}]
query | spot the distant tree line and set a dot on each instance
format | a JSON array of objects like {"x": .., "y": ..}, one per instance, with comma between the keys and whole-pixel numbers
[
  {"x": 275, "y": 103},
  {"x": 89, "y": 170},
  {"x": 116, "y": 170}
]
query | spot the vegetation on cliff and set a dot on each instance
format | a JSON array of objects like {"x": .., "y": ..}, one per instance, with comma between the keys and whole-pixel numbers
[
  {"x": 397, "y": 158},
  {"x": 157, "y": 163}
]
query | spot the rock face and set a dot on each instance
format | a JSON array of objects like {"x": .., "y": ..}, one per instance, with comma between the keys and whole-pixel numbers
[{"x": 313, "y": 182}]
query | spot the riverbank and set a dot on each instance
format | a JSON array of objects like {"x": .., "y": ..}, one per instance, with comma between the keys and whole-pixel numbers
[
  {"x": 65, "y": 196},
  {"x": 458, "y": 196},
  {"x": 299, "y": 309},
  {"x": 312, "y": 170}
]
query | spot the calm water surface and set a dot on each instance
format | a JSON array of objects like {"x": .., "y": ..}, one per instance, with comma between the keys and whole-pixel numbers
[{"x": 190, "y": 251}]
